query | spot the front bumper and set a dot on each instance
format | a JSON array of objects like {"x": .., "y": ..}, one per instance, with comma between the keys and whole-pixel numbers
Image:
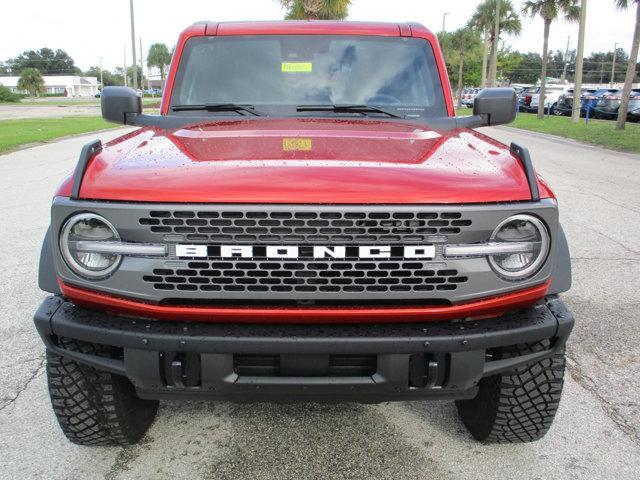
[{"x": 242, "y": 362}]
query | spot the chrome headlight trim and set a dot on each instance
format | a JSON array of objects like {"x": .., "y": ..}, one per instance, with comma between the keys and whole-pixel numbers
[
  {"x": 68, "y": 257},
  {"x": 545, "y": 243}
]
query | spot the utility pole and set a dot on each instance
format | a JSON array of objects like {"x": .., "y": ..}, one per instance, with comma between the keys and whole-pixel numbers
[
  {"x": 613, "y": 66},
  {"x": 134, "y": 65},
  {"x": 124, "y": 64},
  {"x": 444, "y": 21},
  {"x": 566, "y": 61},
  {"x": 141, "y": 67},
  {"x": 577, "y": 81},
  {"x": 101, "y": 83},
  {"x": 494, "y": 51}
]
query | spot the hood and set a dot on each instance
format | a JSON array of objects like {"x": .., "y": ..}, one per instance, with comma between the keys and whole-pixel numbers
[{"x": 305, "y": 161}]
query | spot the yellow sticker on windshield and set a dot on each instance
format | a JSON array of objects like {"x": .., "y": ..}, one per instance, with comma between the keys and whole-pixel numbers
[
  {"x": 297, "y": 67},
  {"x": 296, "y": 144}
]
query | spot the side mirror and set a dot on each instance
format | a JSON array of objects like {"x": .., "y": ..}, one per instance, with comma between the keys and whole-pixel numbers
[
  {"x": 120, "y": 104},
  {"x": 497, "y": 105}
]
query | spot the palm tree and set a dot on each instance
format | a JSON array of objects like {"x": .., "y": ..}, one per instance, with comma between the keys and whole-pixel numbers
[
  {"x": 457, "y": 46},
  {"x": 549, "y": 10},
  {"x": 159, "y": 57},
  {"x": 31, "y": 81},
  {"x": 631, "y": 67},
  {"x": 316, "y": 9},
  {"x": 483, "y": 20}
]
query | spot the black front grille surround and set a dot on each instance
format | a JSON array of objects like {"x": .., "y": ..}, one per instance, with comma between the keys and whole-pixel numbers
[{"x": 220, "y": 281}]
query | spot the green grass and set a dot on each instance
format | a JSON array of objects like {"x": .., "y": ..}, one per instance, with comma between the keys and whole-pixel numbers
[
  {"x": 598, "y": 132},
  {"x": 15, "y": 133}
]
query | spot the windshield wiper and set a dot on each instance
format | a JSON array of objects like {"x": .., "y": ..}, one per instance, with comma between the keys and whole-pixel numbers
[
  {"x": 218, "y": 107},
  {"x": 346, "y": 108}
]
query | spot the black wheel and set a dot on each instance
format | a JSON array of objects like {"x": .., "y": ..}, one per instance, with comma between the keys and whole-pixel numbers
[
  {"x": 517, "y": 406},
  {"x": 94, "y": 407}
]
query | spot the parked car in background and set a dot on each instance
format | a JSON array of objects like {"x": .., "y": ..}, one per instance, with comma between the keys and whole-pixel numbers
[
  {"x": 634, "y": 106},
  {"x": 590, "y": 101},
  {"x": 552, "y": 95},
  {"x": 565, "y": 101},
  {"x": 463, "y": 95},
  {"x": 609, "y": 104},
  {"x": 520, "y": 87},
  {"x": 524, "y": 98},
  {"x": 468, "y": 96}
]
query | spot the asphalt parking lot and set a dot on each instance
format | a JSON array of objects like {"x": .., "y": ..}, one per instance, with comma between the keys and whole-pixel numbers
[{"x": 596, "y": 433}]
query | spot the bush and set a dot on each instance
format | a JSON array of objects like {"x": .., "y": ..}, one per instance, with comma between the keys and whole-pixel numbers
[{"x": 7, "y": 95}]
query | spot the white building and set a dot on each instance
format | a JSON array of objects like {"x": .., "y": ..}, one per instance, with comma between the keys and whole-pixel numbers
[{"x": 63, "y": 85}]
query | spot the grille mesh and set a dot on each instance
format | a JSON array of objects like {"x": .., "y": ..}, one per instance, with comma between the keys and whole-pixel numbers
[
  {"x": 242, "y": 227},
  {"x": 306, "y": 277}
]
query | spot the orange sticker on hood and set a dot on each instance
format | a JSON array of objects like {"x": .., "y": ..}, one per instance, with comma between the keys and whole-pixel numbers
[{"x": 296, "y": 144}]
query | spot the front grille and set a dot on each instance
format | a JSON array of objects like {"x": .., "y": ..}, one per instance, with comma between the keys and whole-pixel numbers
[
  {"x": 308, "y": 280},
  {"x": 335, "y": 276},
  {"x": 332, "y": 227}
]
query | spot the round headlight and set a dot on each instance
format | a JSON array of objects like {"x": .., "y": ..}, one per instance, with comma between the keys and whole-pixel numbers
[
  {"x": 88, "y": 227},
  {"x": 520, "y": 228}
]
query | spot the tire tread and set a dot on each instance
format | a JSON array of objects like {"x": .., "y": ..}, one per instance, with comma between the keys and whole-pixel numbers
[
  {"x": 517, "y": 406},
  {"x": 94, "y": 407}
]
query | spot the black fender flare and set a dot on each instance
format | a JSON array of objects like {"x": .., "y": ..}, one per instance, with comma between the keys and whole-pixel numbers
[
  {"x": 47, "y": 276},
  {"x": 562, "y": 270}
]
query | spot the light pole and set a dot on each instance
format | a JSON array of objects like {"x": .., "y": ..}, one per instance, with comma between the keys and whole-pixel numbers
[
  {"x": 134, "y": 67},
  {"x": 101, "y": 83},
  {"x": 444, "y": 21},
  {"x": 566, "y": 61},
  {"x": 141, "y": 67},
  {"x": 124, "y": 64},
  {"x": 613, "y": 65}
]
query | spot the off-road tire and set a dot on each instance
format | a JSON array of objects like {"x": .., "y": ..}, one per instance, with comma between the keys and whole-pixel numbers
[
  {"x": 94, "y": 407},
  {"x": 517, "y": 406}
]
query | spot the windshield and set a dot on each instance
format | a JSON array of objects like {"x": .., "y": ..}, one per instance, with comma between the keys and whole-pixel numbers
[{"x": 276, "y": 74}]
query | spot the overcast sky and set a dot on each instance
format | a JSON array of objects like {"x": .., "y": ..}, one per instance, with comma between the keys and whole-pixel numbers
[{"x": 90, "y": 30}]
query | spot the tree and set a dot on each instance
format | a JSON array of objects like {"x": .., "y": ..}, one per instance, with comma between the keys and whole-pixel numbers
[
  {"x": 316, "y": 9},
  {"x": 159, "y": 57},
  {"x": 108, "y": 78},
  {"x": 472, "y": 59},
  {"x": 45, "y": 60},
  {"x": 631, "y": 67},
  {"x": 7, "y": 96},
  {"x": 458, "y": 46},
  {"x": 3, "y": 68},
  {"x": 549, "y": 10},
  {"x": 31, "y": 81},
  {"x": 483, "y": 20},
  {"x": 597, "y": 66},
  {"x": 139, "y": 76}
]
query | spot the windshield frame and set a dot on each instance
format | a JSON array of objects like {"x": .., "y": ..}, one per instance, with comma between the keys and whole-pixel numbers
[{"x": 442, "y": 93}]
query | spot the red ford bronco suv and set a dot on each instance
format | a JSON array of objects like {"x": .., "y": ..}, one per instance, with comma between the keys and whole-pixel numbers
[{"x": 306, "y": 219}]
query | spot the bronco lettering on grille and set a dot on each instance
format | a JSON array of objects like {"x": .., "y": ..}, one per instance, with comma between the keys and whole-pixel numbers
[{"x": 305, "y": 251}]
